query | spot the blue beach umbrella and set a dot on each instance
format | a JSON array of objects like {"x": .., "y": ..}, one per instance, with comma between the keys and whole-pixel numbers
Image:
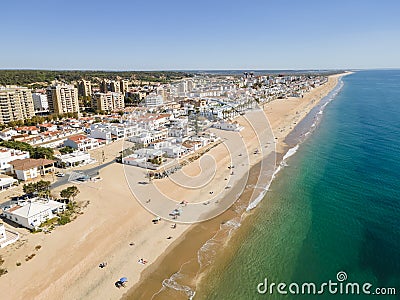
[{"x": 123, "y": 279}]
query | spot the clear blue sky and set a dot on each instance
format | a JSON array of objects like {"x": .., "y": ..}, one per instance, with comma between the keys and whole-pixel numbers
[{"x": 191, "y": 34}]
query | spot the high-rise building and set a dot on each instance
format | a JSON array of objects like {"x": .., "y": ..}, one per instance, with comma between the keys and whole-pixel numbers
[
  {"x": 84, "y": 88},
  {"x": 182, "y": 87},
  {"x": 62, "y": 99},
  {"x": 124, "y": 85},
  {"x": 40, "y": 102},
  {"x": 104, "y": 86},
  {"x": 16, "y": 103},
  {"x": 115, "y": 87},
  {"x": 190, "y": 85},
  {"x": 108, "y": 101}
]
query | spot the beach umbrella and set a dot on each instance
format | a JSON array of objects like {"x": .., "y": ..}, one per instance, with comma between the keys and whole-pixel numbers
[{"x": 123, "y": 279}]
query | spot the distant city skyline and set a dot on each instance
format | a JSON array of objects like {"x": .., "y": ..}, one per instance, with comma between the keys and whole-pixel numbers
[{"x": 206, "y": 35}]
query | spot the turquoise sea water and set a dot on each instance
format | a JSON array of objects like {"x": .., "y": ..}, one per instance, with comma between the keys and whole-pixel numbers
[{"x": 334, "y": 208}]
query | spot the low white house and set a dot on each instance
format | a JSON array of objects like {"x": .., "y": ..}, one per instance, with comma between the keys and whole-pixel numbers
[
  {"x": 147, "y": 137},
  {"x": 101, "y": 133},
  {"x": 47, "y": 127},
  {"x": 228, "y": 126},
  {"x": 81, "y": 142},
  {"x": 170, "y": 148},
  {"x": 74, "y": 159},
  {"x": 7, "y": 134},
  {"x": 6, "y": 182},
  {"x": 31, "y": 213},
  {"x": 7, "y": 236},
  {"x": 175, "y": 151},
  {"x": 8, "y": 155},
  {"x": 141, "y": 157},
  {"x": 30, "y": 168}
]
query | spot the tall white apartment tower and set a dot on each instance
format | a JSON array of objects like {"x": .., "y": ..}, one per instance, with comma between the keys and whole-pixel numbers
[{"x": 62, "y": 99}]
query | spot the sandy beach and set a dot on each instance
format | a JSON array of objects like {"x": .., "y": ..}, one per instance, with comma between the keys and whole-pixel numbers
[{"x": 117, "y": 229}]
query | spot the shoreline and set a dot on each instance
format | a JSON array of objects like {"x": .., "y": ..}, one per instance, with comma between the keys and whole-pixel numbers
[
  {"x": 189, "y": 245},
  {"x": 114, "y": 219}
]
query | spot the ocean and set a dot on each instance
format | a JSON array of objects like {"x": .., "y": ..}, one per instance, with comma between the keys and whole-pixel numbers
[{"x": 333, "y": 212}]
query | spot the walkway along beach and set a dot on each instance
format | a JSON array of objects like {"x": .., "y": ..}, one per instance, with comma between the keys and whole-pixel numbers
[{"x": 116, "y": 229}]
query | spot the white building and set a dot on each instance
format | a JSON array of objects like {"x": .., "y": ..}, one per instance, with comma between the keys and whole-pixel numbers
[
  {"x": 154, "y": 100},
  {"x": 74, "y": 159},
  {"x": 81, "y": 142},
  {"x": 228, "y": 126},
  {"x": 7, "y": 134},
  {"x": 7, "y": 236},
  {"x": 6, "y": 182},
  {"x": 141, "y": 157},
  {"x": 8, "y": 155},
  {"x": 175, "y": 151},
  {"x": 113, "y": 131},
  {"x": 47, "y": 127},
  {"x": 31, "y": 213},
  {"x": 30, "y": 168},
  {"x": 101, "y": 133},
  {"x": 40, "y": 102},
  {"x": 147, "y": 137}
]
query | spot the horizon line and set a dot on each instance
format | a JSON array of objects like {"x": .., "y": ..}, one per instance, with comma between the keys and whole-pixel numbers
[{"x": 194, "y": 70}]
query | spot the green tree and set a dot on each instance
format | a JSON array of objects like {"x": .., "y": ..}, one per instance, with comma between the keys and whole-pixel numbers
[
  {"x": 29, "y": 188},
  {"x": 42, "y": 152},
  {"x": 43, "y": 188},
  {"x": 40, "y": 188},
  {"x": 70, "y": 192},
  {"x": 66, "y": 150}
]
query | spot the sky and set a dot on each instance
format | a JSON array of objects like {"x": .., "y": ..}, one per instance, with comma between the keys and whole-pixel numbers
[{"x": 199, "y": 35}]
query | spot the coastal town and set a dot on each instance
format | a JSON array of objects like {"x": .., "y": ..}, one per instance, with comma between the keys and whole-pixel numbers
[
  {"x": 58, "y": 140},
  {"x": 168, "y": 120}
]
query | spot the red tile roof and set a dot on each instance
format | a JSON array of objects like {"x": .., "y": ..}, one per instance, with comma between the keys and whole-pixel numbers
[{"x": 29, "y": 163}]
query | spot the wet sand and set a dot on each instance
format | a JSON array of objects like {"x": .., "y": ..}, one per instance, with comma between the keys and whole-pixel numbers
[
  {"x": 182, "y": 257},
  {"x": 70, "y": 255},
  {"x": 185, "y": 252}
]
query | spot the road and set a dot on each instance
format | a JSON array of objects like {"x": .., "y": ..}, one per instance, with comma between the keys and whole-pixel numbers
[{"x": 93, "y": 171}]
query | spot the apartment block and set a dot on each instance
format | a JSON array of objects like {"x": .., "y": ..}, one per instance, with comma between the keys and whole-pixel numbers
[
  {"x": 124, "y": 85},
  {"x": 108, "y": 101},
  {"x": 84, "y": 88},
  {"x": 16, "y": 103},
  {"x": 62, "y": 99},
  {"x": 40, "y": 102},
  {"x": 115, "y": 87}
]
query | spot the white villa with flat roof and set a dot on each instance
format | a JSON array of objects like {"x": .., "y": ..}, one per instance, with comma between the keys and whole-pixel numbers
[
  {"x": 228, "y": 126},
  {"x": 74, "y": 159},
  {"x": 6, "y": 182},
  {"x": 141, "y": 156},
  {"x": 31, "y": 213}
]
